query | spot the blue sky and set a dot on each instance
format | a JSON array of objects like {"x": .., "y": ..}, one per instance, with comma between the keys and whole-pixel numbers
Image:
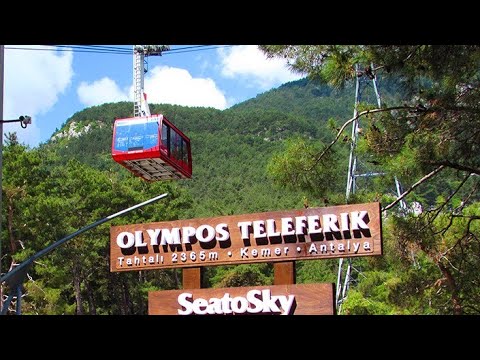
[{"x": 51, "y": 84}]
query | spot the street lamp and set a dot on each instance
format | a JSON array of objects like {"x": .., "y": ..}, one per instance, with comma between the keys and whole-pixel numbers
[{"x": 24, "y": 121}]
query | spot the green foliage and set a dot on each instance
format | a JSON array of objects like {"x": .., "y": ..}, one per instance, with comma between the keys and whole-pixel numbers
[
  {"x": 243, "y": 275},
  {"x": 316, "y": 271},
  {"x": 299, "y": 167}
]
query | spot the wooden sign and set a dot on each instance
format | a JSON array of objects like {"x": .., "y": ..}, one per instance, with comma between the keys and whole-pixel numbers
[
  {"x": 313, "y": 233},
  {"x": 304, "y": 299}
]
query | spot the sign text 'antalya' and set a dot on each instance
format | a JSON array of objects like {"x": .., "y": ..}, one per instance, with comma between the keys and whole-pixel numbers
[{"x": 312, "y": 233}]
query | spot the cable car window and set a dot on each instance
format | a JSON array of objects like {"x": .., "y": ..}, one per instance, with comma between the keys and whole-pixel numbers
[
  {"x": 150, "y": 135},
  {"x": 177, "y": 147},
  {"x": 166, "y": 137},
  {"x": 180, "y": 157},
  {"x": 184, "y": 151},
  {"x": 121, "y": 138},
  {"x": 136, "y": 135}
]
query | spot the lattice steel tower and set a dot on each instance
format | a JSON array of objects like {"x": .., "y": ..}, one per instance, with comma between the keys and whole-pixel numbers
[
  {"x": 366, "y": 91},
  {"x": 140, "y": 68}
]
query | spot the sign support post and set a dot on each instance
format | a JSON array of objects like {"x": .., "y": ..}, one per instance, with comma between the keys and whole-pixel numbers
[
  {"x": 192, "y": 278},
  {"x": 284, "y": 273}
]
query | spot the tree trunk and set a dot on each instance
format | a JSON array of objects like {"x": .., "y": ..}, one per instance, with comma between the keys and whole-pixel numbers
[
  {"x": 126, "y": 298},
  {"x": 91, "y": 300},
  {"x": 176, "y": 278},
  {"x": 13, "y": 244},
  {"x": 452, "y": 286},
  {"x": 77, "y": 281}
]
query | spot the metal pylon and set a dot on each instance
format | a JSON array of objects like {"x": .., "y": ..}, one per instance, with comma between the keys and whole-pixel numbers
[
  {"x": 138, "y": 82},
  {"x": 363, "y": 78},
  {"x": 140, "y": 68}
]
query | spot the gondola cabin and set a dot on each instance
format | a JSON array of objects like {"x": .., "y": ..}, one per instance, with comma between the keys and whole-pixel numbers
[{"x": 152, "y": 147}]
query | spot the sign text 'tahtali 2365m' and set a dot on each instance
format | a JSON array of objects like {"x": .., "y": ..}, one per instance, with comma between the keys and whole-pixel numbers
[{"x": 312, "y": 233}]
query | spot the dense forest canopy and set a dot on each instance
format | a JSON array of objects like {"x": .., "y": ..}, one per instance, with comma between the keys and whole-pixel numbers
[{"x": 285, "y": 149}]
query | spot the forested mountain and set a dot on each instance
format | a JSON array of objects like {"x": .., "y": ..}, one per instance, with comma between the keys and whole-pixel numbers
[
  {"x": 230, "y": 148},
  {"x": 71, "y": 181}
]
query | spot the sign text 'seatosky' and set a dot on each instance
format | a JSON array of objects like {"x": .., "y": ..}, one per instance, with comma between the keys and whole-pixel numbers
[
  {"x": 301, "y": 299},
  {"x": 312, "y": 233}
]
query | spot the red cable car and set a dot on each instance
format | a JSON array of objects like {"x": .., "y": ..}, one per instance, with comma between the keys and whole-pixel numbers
[{"x": 152, "y": 147}]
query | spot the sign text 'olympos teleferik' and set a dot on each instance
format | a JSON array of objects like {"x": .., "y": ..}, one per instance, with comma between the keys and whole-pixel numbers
[{"x": 312, "y": 233}]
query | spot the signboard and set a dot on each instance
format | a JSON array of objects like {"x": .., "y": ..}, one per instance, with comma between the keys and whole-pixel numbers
[
  {"x": 312, "y": 233},
  {"x": 305, "y": 299}
]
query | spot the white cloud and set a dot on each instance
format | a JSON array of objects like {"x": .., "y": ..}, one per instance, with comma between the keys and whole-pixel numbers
[
  {"x": 170, "y": 85},
  {"x": 100, "y": 91},
  {"x": 163, "y": 84},
  {"x": 34, "y": 80},
  {"x": 247, "y": 62}
]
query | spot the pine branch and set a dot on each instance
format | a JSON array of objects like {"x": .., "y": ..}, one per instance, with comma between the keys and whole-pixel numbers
[
  {"x": 412, "y": 53},
  {"x": 411, "y": 188},
  {"x": 440, "y": 207},
  {"x": 348, "y": 122},
  {"x": 448, "y": 163}
]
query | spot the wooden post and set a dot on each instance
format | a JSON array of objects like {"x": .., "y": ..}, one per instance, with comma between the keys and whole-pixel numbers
[
  {"x": 192, "y": 278},
  {"x": 284, "y": 273}
]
